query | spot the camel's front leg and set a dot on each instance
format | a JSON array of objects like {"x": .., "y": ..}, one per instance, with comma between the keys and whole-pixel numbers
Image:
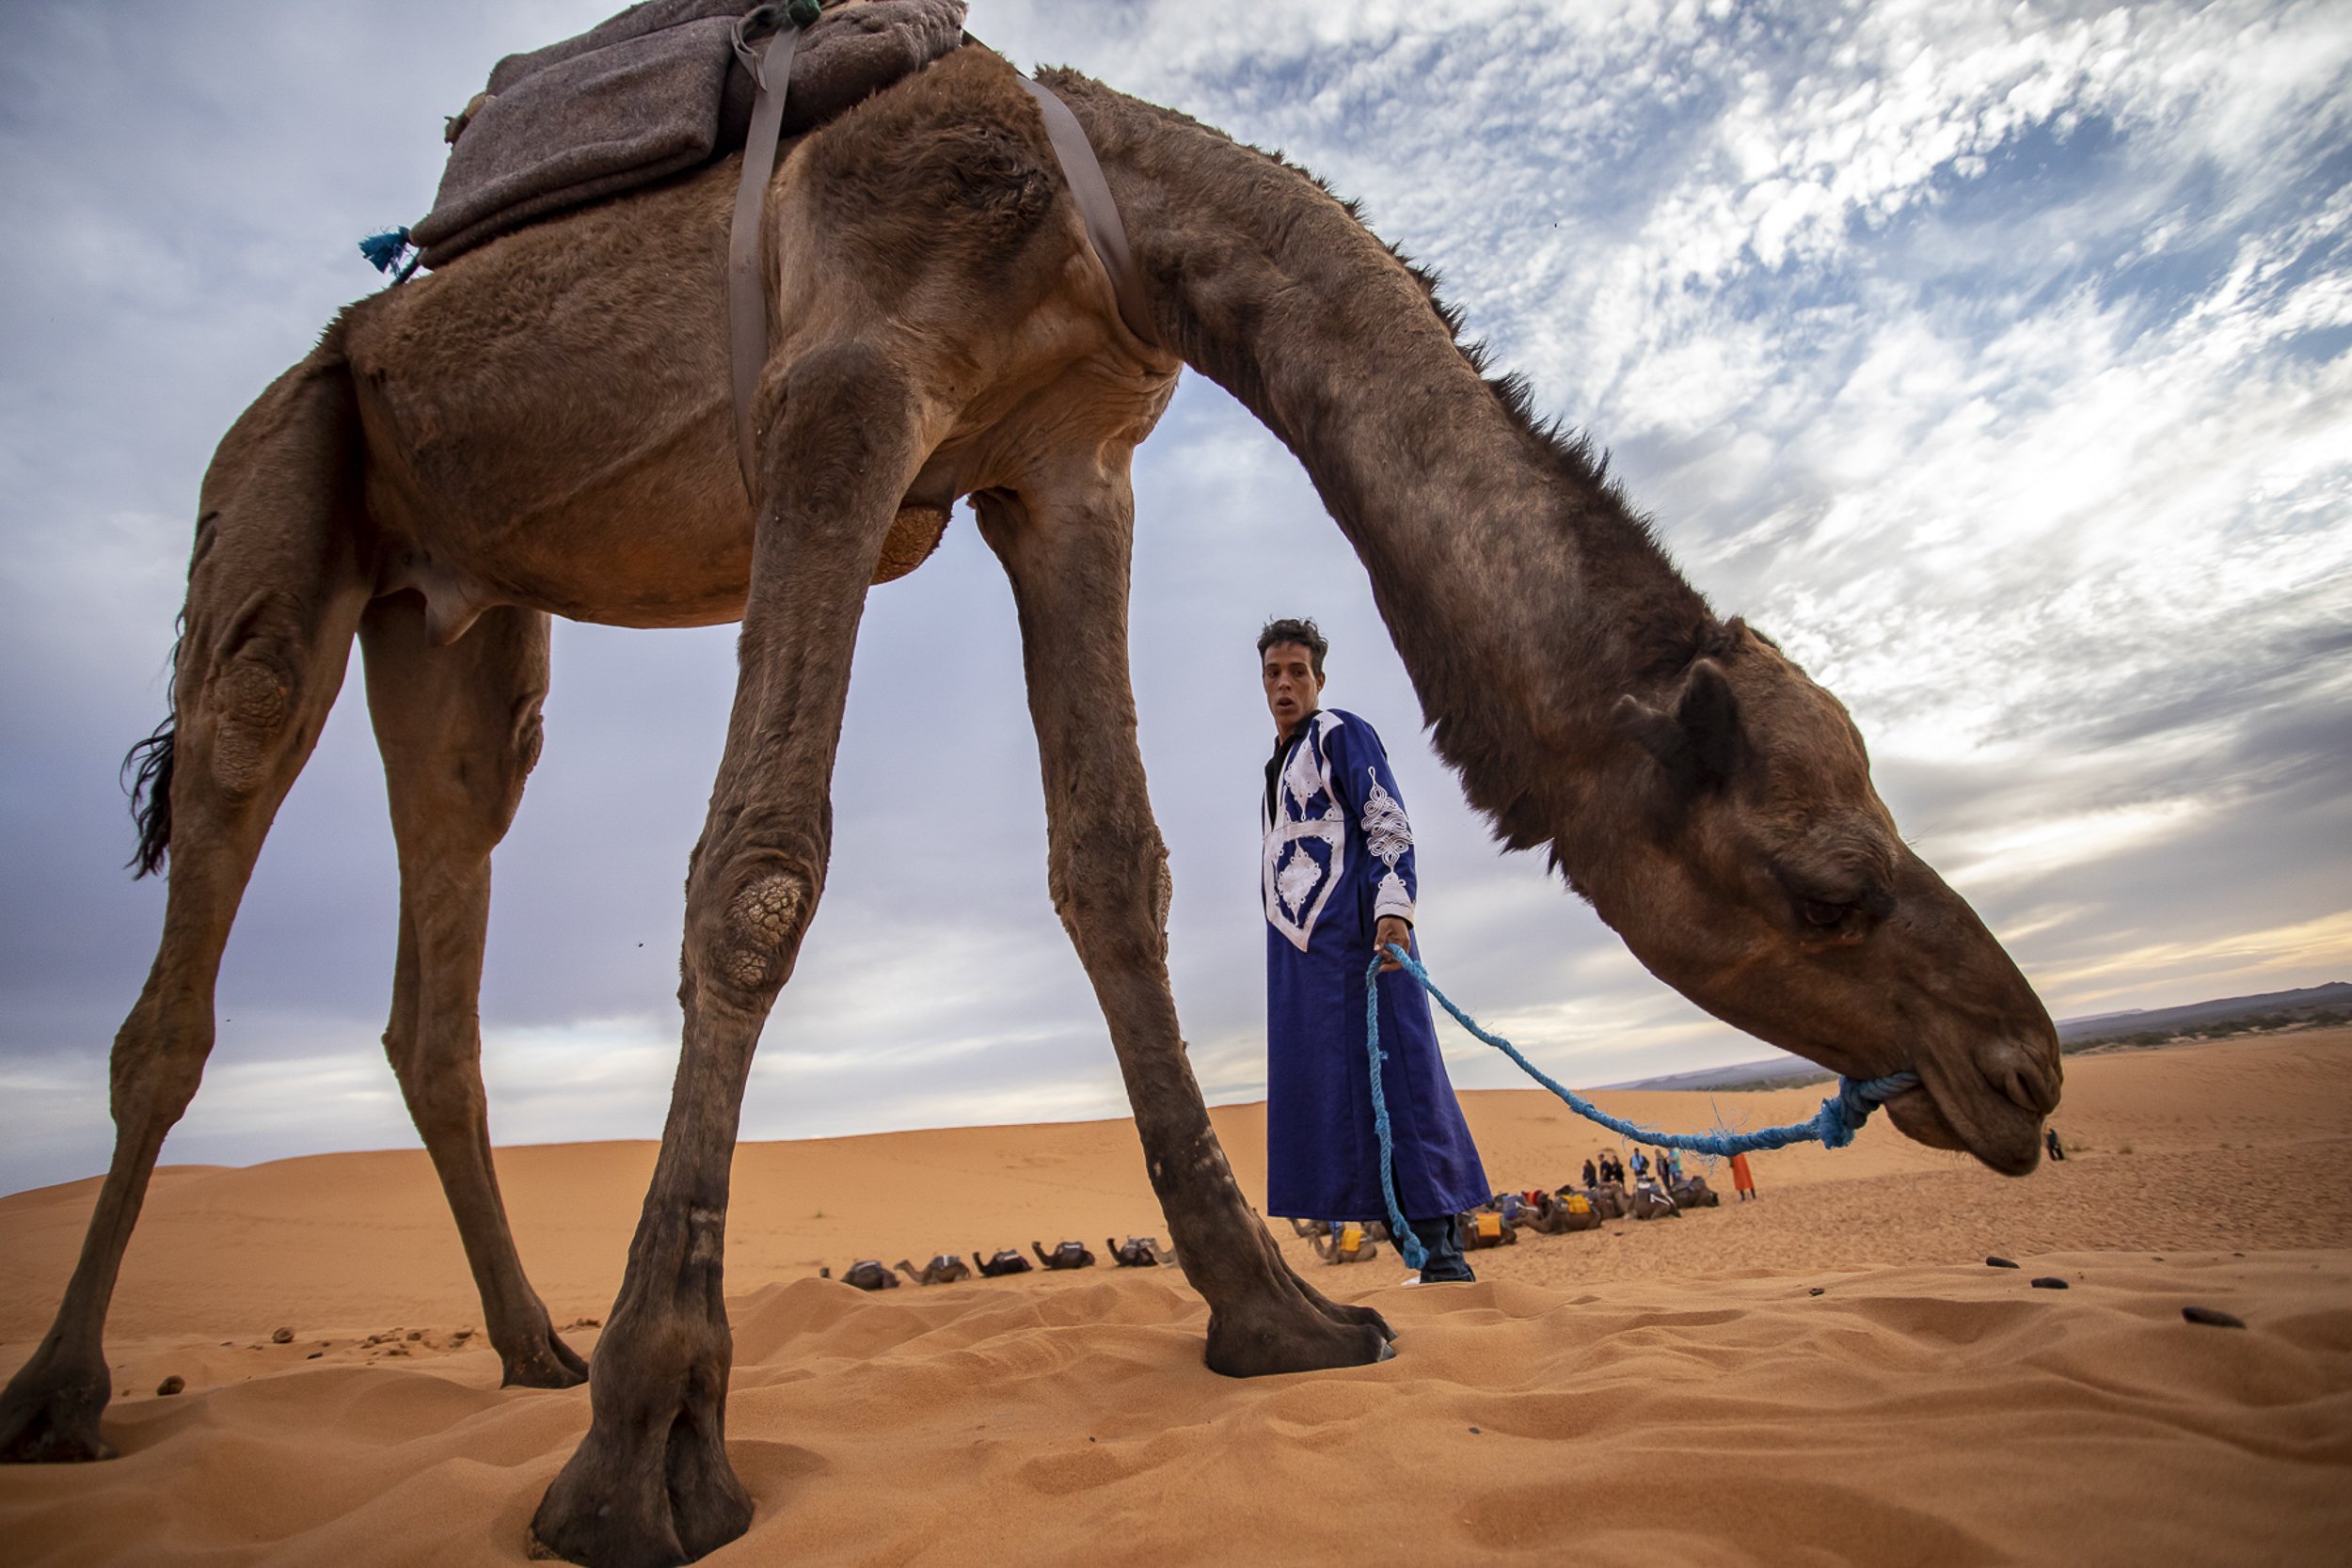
[
  {"x": 1065, "y": 542},
  {"x": 650, "y": 1483}
]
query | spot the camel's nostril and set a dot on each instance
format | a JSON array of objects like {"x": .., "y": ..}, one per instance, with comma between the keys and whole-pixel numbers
[{"x": 2018, "y": 1075}]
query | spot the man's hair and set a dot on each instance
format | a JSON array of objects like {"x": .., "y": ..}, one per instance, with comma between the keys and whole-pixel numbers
[{"x": 1305, "y": 633}]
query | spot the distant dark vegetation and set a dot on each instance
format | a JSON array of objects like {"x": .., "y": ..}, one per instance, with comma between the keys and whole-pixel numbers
[
  {"x": 2254, "y": 1024},
  {"x": 1794, "y": 1081},
  {"x": 2257, "y": 1023},
  {"x": 2311, "y": 1008}
]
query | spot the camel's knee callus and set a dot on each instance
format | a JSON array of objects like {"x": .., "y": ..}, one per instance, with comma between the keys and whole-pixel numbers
[
  {"x": 249, "y": 702},
  {"x": 246, "y": 690},
  {"x": 763, "y": 921}
]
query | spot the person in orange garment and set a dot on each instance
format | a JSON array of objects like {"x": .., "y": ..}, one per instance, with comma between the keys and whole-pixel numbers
[{"x": 1742, "y": 1178}]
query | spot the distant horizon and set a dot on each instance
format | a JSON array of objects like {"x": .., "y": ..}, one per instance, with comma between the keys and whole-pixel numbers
[{"x": 653, "y": 1139}]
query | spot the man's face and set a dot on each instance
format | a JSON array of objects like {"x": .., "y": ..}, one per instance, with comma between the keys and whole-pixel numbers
[{"x": 1293, "y": 689}]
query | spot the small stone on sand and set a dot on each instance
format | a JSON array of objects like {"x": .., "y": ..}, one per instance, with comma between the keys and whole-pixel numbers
[
  {"x": 2049, "y": 1282},
  {"x": 171, "y": 1385},
  {"x": 314, "y": 1356},
  {"x": 1815, "y": 1291},
  {"x": 2212, "y": 1317},
  {"x": 1991, "y": 1262},
  {"x": 283, "y": 1336}
]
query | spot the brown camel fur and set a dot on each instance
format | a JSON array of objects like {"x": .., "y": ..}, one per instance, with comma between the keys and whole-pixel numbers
[{"x": 543, "y": 429}]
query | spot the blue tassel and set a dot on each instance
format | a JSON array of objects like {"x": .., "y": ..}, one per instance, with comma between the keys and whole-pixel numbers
[{"x": 384, "y": 251}]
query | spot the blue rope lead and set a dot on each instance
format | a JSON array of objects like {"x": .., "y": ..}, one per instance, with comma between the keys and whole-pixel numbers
[{"x": 1834, "y": 1125}]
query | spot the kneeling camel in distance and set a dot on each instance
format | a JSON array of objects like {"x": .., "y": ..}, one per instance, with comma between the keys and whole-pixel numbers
[{"x": 544, "y": 428}]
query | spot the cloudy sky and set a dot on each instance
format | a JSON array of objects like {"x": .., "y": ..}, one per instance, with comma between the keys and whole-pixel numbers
[{"x": 1992, "y": 357}]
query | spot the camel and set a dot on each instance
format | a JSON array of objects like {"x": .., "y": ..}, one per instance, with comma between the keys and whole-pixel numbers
[
  {"x": 1608, "y": 1199},
  {"x": 1139, "y": 1252},
  {"x": 544, "y": 428},
  {"x": 1549, "y": 1215},
  {"x": 1345, "y": 1243},
  {"x": 1066, "y": 1255},
  {"x": 944, "y": 1269},
  {"x": 1001, "y": 1262},
  {"x": 1486, "y": 1227},
  {"x": 1651, "y": 1202},
  {"x": 1692, "y": 1192},
  {"x": 867, "y": 1273}
]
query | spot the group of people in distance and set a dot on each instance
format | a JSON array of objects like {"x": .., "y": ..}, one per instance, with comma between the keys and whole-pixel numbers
[{"x": 1661, "y": 1168}]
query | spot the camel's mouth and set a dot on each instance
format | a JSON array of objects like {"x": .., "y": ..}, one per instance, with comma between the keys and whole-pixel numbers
[{"x": 1942, "y": 1115}]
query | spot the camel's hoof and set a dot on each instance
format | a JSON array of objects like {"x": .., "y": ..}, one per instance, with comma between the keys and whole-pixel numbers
[
  {"x": 49, "y": 1416},
  {"x": 640, "y": 1523},
  {"x": 650, "y": 1485},
  {"x": 1271, "y": 1342},
  {"x": 543, "y": 1363},
  {"x": 1340, "y": 1313}
]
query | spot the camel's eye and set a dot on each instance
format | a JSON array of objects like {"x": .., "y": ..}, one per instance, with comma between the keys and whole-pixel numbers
[{"x": 1823, "y": 913}]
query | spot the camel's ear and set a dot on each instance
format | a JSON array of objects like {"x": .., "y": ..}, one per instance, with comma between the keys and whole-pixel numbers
[
  {"x": 1709, "y": 715},
  {"x": 1698, "y": 744}
]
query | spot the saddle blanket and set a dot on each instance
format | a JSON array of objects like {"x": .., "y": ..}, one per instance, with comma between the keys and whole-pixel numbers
[{"x": 649, "y": 93}]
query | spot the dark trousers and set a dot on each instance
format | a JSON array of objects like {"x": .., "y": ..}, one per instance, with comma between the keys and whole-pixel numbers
[{"x": 1440, "y": 1239}]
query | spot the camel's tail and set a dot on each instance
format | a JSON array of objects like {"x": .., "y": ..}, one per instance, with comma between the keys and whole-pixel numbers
[{"x": 147, "y": 774}]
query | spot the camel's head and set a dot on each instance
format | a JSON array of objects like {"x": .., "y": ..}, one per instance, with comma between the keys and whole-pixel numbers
[{"x": 1766, "y": 882}]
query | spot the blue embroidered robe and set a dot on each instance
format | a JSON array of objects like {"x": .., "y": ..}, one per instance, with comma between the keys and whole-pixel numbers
[{"x": 1338, "y": 856}]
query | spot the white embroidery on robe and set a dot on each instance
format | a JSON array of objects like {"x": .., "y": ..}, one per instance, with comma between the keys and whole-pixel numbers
[
  {"x": 1302, "y": 778},
  {"x": 1297, "y": 887},
  {"x": 1387, "y": 833},
  {"x": 1297, "y": 878}
]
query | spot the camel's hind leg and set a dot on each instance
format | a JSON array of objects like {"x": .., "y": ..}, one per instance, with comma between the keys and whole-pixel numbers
[
  {"x": 1065, "y": 542},
  {"x": 275, "y": 590},
  {"x": 459, "y": 730}
]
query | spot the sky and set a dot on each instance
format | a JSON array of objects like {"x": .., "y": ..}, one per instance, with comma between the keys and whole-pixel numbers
[{"x": 1993, "y": 357}]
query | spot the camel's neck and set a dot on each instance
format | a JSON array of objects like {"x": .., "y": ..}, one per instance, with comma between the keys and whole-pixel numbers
[{"x": 1522, "y": 595}]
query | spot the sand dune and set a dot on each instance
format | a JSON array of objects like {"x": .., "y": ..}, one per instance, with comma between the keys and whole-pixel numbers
[{"x": 1645, "y": 1393}]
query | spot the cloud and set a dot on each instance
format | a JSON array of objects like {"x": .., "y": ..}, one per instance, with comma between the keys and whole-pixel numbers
[{"x": 1994, "y": 358}]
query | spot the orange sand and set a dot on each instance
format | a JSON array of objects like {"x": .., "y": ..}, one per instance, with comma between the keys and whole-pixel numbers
[{"x": 1671, "y": 1392}]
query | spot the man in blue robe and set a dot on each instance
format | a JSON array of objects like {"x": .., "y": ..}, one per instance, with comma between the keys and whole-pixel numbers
[{"x": 1338, "y": 879}]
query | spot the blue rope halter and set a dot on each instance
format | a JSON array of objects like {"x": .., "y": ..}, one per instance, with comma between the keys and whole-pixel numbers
[{"x": 1839, "y": 1119}]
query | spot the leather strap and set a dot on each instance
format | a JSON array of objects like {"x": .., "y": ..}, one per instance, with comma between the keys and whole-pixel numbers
[
  {"x": 747, "y": 291},
  {"x": 1092, "y": 192}
]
